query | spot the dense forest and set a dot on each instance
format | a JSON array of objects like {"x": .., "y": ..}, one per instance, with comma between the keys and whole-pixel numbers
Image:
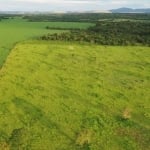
[
  {"x": 85, "y": 17},
  {"x": 108, "y": 33}
]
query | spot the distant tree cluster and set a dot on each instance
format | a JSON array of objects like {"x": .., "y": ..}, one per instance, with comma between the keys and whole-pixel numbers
[
  {"x": 108, "y": 33},
  {"x": 3, "y": 17},
  {"x": 9, "y": 16},
  {"x": 85, "y": 17},
  {"x": 62, "y": 28}
]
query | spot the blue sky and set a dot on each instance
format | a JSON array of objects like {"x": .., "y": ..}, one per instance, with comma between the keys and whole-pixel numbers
[{"x": 70, "y": 5}]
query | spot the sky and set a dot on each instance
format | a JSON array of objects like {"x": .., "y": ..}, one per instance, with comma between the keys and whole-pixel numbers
[{"x": 70, "y": 5}]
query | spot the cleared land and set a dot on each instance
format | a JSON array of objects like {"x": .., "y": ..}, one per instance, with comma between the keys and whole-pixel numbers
[
  {"x": 68, "y": 96},
  {"x": 17, "y": 29}
]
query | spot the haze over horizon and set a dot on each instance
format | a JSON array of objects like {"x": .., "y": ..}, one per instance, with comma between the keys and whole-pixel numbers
[{"x": 70, "y": 5}]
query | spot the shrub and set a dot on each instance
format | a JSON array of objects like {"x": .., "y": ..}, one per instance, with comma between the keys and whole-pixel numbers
[
  {"x": 126, "y": 113},
  {"x": 84, "y": 138}
]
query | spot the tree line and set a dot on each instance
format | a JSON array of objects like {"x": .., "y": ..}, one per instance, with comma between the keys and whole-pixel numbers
[
  {"x": 108, "y": 33},
  {"x": 85, "y": 17},
  {"x": 62, "y": 28}
]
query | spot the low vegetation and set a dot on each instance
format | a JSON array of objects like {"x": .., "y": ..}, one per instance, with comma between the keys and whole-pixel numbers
[
  {"x": 15, "y": 29},
  {"x": 63, "y": 95}
]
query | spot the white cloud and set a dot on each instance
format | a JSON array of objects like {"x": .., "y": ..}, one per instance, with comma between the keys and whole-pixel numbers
[
  {"x": 119, "y": 2},
  {"x": 58, "y": 1},
  {"x": 70, "y": 5}
]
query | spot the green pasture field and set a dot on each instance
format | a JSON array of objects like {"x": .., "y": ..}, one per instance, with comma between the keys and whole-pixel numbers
[
  {"x": 16, "y": 29},
  {"x": 70, "y": 96}
]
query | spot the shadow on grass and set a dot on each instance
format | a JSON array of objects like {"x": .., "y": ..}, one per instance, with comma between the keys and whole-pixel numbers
[
  {"x": 68, "y": 93},
  {"x": 3, "y": 136},
  {"x": 38, "y": 115}
]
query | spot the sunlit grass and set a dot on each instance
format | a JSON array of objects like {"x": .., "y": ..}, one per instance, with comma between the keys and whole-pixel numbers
[
  {"x": 17, "y": 29},
  {"x": 57, "y": 95}
]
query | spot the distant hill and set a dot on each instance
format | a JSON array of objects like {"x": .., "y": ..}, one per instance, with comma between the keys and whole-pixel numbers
[
  {"x": 130, "y": 10},
  {"x": 119, "y": 10}
]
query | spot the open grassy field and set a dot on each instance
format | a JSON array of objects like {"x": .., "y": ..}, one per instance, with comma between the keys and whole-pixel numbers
[
  {"x": 69, "y": 96},
  {"x": 16, "y": 29}
]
